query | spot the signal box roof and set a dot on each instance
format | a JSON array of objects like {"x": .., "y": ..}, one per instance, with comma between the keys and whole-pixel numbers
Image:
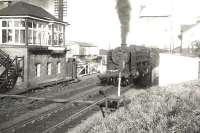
[{"x": 24, "y": 9}]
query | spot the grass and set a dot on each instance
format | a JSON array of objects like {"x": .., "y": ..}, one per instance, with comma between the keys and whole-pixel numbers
[{"x": 174, "y": 108}]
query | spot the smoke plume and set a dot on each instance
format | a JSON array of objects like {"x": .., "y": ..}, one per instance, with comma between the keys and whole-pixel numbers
[{"x": 123, "y": 9}]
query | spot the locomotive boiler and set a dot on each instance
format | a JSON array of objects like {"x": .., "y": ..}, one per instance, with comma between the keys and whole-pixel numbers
[{"x": 135, "y": 64}]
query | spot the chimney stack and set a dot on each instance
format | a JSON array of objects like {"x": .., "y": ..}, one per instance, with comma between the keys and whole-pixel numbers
[{"x": 7, "y": 2}]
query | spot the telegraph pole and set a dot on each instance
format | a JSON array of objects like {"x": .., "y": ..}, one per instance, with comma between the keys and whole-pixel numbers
[{"x": 60, "y": 8}]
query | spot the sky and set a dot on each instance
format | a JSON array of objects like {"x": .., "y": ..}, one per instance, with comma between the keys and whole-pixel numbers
[{"x": 96, "y": 21}]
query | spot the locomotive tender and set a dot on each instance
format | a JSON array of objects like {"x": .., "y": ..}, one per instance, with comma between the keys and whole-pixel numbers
[{"x": 135, "y": 64}]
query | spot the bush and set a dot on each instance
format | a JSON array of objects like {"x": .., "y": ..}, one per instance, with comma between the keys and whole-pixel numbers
[{"x": 174, "y": 108}]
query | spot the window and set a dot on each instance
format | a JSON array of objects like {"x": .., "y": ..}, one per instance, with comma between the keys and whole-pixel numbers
[
  {"x": 49, "y": 68},
  {"x": 30, "y": 39},
  {"x": 16, "y": 36},
  {"x": 34, "y": 24},
  {"x": 13, "y": 31},
  {"x": 6, "y": 36},
  {"x": 29, "y": 24},
  {"x": 9, "y": 35},
  {"x": 49, "y": 38},
  {"x": 34, "y": 37},
  {"x": 55, "y": 37},
  {"x": 4, "y": 23},
  {"x": 22, "y": 36},
  {"x": 7, "y": 23},
  {"x": 19, "y": 36},
  {"x": 37, "y": 71},
  {"x": 20, "y": 23},
  {"x": 58, "y": 67},
  {"x": 58, "y": 34},
  {"x": 37, "y": 32},
  {"x": 32, "y": 32},
  {"x": 60, "y": 38},
  {"x": 39, "y": 38},
  {"x": 50, "y": 27}
]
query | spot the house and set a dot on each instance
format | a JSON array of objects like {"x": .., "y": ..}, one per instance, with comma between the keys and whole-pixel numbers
[
  {"x": 189, "y": 35},
  {"x": 82, "y": 49},
  {"x": 38, "y": 38}
]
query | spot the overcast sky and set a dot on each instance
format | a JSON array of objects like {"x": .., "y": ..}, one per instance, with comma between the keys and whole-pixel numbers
[{"x": 96, "y": 21}]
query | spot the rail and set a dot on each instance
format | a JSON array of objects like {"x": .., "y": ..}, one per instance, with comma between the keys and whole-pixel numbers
[
  {"x": 74, "y": 116},
  {"x": 66, "y": 102}
]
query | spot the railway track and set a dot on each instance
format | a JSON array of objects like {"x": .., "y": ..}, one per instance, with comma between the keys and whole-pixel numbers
[
  {"x": 73, "y": 117},
  {"x": 31, "y": 104},
  {"x": 59, "y": 87},
  {"x": 24, "y": 126},
  {"x": 61, "y": 114}
]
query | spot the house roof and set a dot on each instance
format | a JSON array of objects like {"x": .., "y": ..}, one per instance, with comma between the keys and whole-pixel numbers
[
  {"x": 84, "y": 44},
  {"x": 154, "y": 12},
  {"x": 25, "y": 9},
  {"x": 185, "y": 28}
]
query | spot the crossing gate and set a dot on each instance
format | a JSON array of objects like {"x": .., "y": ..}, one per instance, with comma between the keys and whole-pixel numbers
[{"x": 86, "y": 68}]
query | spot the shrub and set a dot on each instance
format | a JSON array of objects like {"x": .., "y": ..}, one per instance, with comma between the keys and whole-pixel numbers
[{"x": 174, "y": 108}]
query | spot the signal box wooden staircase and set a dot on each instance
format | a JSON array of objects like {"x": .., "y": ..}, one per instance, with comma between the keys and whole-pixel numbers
[{"x": 11, "y": 72}]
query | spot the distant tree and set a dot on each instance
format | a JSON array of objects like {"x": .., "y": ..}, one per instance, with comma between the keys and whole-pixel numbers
[
  {"x": 196, "y": 44},
  {"x": 196, "y": 47}
]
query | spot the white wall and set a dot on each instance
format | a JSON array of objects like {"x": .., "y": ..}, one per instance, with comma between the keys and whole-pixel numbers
[{"x": 176, "y": 69}]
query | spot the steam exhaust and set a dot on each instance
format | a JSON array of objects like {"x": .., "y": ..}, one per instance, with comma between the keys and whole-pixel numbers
[{"x": 123, "y": 8}]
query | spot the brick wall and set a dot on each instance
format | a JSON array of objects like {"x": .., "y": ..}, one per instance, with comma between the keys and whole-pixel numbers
[
  {"x": 30, "y": 61},
  {"x": 43, "y": 60}
]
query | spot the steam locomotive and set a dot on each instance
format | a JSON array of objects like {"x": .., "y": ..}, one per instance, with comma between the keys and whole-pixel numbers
[{"x": 135, "y": 63}]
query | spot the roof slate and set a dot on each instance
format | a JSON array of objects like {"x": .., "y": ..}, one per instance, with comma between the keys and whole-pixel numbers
[{"x": 25, "y": 9}]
